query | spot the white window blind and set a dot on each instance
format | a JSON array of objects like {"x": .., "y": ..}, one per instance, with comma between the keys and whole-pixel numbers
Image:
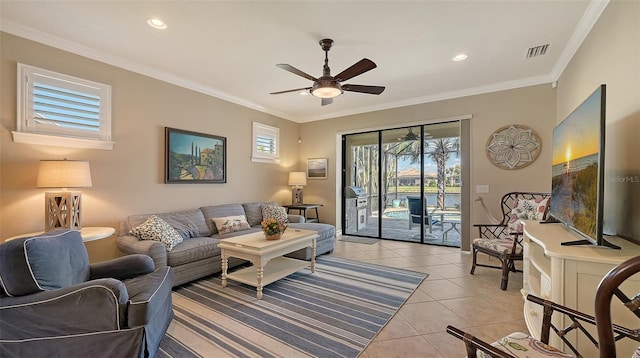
[
  {"x": 55, "y": 104},
  {"x": 266, "y": 143}
]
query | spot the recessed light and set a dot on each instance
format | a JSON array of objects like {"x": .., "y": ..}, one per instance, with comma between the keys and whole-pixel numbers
[
  {"x": 460, "y": 57},
  {"x": 157, "y": 23}
]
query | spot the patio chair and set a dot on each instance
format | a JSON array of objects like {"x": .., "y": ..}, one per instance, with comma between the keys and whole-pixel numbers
[
  {"x": 521, "y": 344},
  {"x": 414, "y": 212},
  {"x": 503, "y": 240}
]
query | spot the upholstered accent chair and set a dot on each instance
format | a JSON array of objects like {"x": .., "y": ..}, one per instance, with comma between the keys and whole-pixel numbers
[
  {"x": 524, "y": 345},
  {"x": 503, "y": 239},
  {"x": 54, "y": 303}
]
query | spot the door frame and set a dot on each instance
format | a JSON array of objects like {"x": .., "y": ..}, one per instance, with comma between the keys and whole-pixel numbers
[{"x": 465, "y": 149}]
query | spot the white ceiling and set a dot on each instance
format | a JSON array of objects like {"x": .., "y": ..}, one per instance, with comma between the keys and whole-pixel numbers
[{"x": 229, "y": 49}]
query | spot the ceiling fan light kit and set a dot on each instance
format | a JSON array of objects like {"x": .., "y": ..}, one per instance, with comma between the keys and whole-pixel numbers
[
  {"x": 324, "y": 88},
  {"x": 327, "y": 87}
]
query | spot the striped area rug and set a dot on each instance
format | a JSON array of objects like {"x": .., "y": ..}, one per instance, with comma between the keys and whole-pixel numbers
[{"x": 334, "y": 312}]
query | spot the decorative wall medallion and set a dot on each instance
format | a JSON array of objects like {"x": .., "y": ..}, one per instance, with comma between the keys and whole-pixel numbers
[{"x": 513, "y": 147}]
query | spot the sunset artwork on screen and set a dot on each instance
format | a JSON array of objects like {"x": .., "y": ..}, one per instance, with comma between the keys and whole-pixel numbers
[{"x": 577, "y": 171}]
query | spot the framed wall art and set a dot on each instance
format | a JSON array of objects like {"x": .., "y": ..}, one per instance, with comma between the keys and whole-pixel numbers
[
  {"x": 194, "y": 157},
  {"x": 513, "y": 147},
  {"x": 317, "y": 168}
]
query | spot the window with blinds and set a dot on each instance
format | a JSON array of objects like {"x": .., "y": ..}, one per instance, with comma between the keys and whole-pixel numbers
[
  {"x": 55, "y": 104},
  {"x": 266, "y": 143}
]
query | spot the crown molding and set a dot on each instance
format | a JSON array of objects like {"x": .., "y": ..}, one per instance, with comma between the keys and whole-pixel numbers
[
  {"x": 75, "y": 48},
  {"x": 496, "y": 87},
  {"x": 592, "y": 13},
  {"x": 588, "y": 20}
]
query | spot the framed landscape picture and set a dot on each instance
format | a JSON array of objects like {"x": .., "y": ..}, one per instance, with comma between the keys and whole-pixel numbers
[
  {"x": 317, "y": 168},
  {"x": 194, "y": 157}
]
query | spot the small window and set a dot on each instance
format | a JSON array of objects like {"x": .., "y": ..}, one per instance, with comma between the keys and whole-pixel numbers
[
  {"x": 266, "y": 143},
  {"x": 62, "y": 110}
]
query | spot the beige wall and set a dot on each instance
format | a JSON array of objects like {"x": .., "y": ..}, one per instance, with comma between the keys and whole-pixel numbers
[
  {"x": 129, "y": 179},
  {"x": 532, "y": 106},
  {"x": 611, "y": 55}
]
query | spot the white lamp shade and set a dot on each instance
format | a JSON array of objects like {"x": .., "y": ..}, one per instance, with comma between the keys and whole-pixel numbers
[
  {"x": 298, "y": 178},
  {"x": 64, "y": 174}
]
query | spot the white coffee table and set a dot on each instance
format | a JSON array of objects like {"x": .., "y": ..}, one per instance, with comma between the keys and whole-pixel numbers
[{"x": 269, "y": 265}]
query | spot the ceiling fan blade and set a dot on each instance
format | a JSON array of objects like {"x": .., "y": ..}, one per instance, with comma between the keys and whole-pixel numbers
[
  {"x": 292, "y": 90},
  {"x": 326, "y": 101},
  {"x": 356, "y": 69},
  {"x": 363, "y": 89},
  {"x": 292, "y": 69}
]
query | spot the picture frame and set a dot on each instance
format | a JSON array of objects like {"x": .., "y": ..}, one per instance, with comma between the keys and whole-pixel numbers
[
  {"x": 317, "y": 168},
  {"x": 194, "y": 158}
]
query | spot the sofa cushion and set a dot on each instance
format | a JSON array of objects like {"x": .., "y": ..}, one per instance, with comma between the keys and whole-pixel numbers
[
  {"x": 194, "y": 249},
  {"x": 219, "y": 211},
  {"x": 31, "y": 258},
  {"x": 188, "y": 223},
  {"x": 275, "y": 212},
  {"x": 253, "y": 211},
  {"x": 154, "y": 228},
  {"x": 324, "y": 243},
  {"x": 325, "y": 231},
  {"x": 229, "y": 224}
]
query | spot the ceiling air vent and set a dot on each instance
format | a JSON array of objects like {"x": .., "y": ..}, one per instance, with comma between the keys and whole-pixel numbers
[{"x": 537, "y": 51}]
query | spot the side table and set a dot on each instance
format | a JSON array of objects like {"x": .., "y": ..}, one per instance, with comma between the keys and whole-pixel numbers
[
  {"x": 87, "y": 233},
  {"x": 302, "y": 210}
]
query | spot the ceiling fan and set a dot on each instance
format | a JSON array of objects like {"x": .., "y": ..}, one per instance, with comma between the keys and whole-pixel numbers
[
  {"x": 410, "y": 136},
  {"x": 327, "y": 87}
]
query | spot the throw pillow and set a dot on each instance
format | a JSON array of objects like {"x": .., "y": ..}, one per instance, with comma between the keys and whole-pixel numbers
[
  {"x": 276, "y": 212},
  {"x": 532, "y": 209},
  {"x": 227, "y": 224},
  {"x": 157, "y": 229}
]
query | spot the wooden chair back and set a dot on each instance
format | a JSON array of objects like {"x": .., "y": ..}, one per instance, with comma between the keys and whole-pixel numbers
[
  {"x": 510, "y": 200},
  {"x": 607, "y": 332}
]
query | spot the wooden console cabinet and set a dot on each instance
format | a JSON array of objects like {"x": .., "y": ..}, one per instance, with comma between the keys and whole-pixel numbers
[{"x": 569, "y": 275}]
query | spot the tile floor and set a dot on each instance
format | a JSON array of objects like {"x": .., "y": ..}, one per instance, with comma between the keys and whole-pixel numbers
[{"x": 450, "y": 295}]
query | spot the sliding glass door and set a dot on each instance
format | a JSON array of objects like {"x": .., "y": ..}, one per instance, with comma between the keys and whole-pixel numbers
[
  {"x": 361, "y": 189},
  {"x": 404, "y": 184}
]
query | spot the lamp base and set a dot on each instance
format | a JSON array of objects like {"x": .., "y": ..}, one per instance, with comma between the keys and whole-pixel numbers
[
  {"x": 62, "y": 210},
  {"x": 296, "y": 196}
]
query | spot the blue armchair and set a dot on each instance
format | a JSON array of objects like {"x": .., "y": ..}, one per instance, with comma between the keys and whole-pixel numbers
[{"x": 54, "y": 303}]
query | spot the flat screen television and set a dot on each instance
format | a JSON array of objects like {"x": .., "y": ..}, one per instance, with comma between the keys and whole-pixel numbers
[{"x": 577, "y": 184}]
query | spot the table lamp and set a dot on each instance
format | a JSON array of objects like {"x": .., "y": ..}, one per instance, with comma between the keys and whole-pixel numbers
[
  {"x": 63, "y": 209},
  {"x": 297, "y": 180}
]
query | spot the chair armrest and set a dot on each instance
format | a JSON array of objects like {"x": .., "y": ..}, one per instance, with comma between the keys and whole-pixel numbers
[
  {"x": 122, "y": 268},
  {"x": 294, "y": 218},
  {"x": 474, "y": 344},
  {"x": 92, "y": 306},
  {"x": 130, "y": 244}
]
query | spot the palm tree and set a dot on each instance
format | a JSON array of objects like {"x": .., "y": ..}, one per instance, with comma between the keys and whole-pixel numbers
[{"x": 439, "y": 150}]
